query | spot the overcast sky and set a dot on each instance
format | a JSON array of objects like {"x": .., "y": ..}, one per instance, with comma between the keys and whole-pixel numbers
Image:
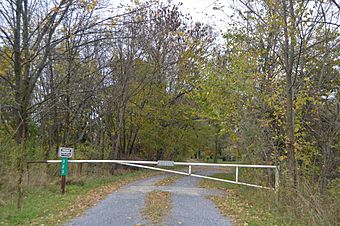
[{"x": 203, "y": 11}]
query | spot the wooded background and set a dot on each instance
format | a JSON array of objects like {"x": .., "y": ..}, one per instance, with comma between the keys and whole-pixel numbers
[{"x": 143, "y": 81}]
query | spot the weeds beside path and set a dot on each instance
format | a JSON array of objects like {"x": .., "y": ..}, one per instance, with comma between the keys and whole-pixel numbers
[
  {"x": 251, "y": 206},
  {"x": 45, "y": 205}
]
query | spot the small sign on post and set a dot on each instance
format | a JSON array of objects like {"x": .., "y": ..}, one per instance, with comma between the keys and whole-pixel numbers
[{"x": 65, "y": 154}]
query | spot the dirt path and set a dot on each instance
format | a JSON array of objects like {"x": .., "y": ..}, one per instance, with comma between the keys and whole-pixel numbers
[{"x": 123, "y": 207}]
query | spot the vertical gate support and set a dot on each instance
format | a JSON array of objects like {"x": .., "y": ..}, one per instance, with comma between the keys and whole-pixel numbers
[
  {"x": 236, "y": 174},
  {"x": 189, "y": 170},
  {"x": 277, "y": 181}
]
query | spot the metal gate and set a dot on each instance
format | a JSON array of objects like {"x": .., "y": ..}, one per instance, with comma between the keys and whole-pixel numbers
[{"x": 146, "y": 165}]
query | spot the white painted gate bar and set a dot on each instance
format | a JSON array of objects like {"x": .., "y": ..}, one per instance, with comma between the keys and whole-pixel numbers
[
  {"x": 189, "y": 164},
  {"x": 106, "y": 161},
  {"x": 156, "y": 162}
]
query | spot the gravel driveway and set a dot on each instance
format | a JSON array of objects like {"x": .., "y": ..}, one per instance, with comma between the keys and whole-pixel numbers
[{"x": 190, "y": 205}]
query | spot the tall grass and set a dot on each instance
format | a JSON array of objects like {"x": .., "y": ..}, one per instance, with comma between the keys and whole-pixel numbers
[{"x": 304, "y": 206}]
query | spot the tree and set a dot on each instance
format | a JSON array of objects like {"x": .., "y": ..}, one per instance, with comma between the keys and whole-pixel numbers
[
  {"x": 286, "y": 35},
  {"x": 30, "y": 32}
]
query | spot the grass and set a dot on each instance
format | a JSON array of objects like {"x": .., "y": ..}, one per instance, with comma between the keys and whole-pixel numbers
[
  {"x": 252, "y": 206},
  {"x": 157, "y": 206},
  {"x": 45, "y": 205},
  {"x": 241, "y": 203},
  {"x": 168, "y": 180}
]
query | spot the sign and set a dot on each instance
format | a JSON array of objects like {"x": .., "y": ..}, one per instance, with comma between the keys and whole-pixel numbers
[
  {"x": 65, "y": 152},
  {"x": 165, "y": 163},
  {"x": 64, "y": 166}
]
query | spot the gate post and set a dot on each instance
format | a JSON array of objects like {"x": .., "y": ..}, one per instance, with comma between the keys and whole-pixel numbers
[
  {"x": 236, "y": 172},
  {"x": 277, "y": 181}
]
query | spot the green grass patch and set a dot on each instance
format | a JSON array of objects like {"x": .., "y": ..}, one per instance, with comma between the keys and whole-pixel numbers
[{"x": 46, "y": 205}]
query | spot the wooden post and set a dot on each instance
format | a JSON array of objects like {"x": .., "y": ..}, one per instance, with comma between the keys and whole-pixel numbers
[
  {"x": 63, "y": 182},
  {"x": 81, "y": 169}
]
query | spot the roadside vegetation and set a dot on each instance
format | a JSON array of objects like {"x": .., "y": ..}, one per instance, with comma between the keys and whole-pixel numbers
[
  {"x": 254, "y": 206},
  {"x": 157, "y": 206},
  {"x": 45, "y": 205}
]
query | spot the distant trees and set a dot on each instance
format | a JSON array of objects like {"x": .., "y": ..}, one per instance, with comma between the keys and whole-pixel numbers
[{"x": 148, "y": 82}]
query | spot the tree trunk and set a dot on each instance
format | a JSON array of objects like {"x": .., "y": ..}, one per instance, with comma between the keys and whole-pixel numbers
[
  {"x": 20, "y": 169},
  {"x": 216, "y": 149},
  {"x": 102, "y": 144},
  {"x": 18, "y": 68},
  {"x": 289, "y": 56},
  {"x": 326, "y": 166},
  {"x": 290, "y": 132}
]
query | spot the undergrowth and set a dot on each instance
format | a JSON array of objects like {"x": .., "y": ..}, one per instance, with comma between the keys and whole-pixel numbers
[
  {"x": 46, "y": 205},
  {"x": 252, "y": 206}
]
